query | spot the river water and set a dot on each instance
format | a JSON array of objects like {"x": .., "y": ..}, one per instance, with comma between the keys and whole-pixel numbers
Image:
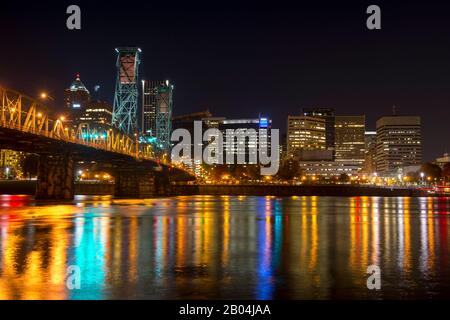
[{"x": 224, "y": 247}]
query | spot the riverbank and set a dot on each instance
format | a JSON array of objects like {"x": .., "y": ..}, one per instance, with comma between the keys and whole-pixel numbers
[
  {"x": 28, "y": 187},
  {"x": 298, "y": 190}
]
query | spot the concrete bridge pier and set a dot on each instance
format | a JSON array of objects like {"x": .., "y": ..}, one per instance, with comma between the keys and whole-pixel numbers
[
  {"x": 140, "y": 183},
  {"x": 162, "y": 183},
  {"x": 55, "y": 179},
  {"x": 133, "y": 183}
]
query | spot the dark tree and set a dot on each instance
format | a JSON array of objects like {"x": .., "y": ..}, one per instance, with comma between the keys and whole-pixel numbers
[
  {"x": 30, "y": 165},
  {"x": 344, "y": 177},
  {"x": 218, "y": 171},
  {"x": 431, "y": 170},
  {"x": 289, "y": 169}
]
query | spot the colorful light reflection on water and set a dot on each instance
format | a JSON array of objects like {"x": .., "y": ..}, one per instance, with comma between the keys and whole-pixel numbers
[{"x": 226, "y": 247}]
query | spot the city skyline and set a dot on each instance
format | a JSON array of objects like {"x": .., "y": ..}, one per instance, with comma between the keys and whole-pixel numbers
[{"x": 221, "y": 59}]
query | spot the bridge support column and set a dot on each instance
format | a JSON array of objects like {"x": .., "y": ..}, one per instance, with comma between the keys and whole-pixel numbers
[
  {"x": 141, "y": 183},
  {"x": 162, "y": 183},
  {"x": 132, "y": 183},
  {"x": 55, "y": 177}
]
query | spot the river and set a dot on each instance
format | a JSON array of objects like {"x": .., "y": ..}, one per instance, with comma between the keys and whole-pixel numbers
[{"x": 224, "y": 247}]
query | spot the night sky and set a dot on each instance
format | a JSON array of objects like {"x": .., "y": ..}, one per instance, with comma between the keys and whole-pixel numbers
[{"x": 238, "y": 59}]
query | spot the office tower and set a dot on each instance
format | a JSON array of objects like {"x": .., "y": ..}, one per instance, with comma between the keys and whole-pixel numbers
[
  {"x": 328, "y": 115},
  {"x": 96, "y": 112},
  {"x": 148, "y": 116},
  {"x": 10, "y": 164},
  {"x": 350, "y": 139},
  {"x": 250, "y": 148},
  {"x": 305, "y": 133},
  {"x": 186, "y": 122},
  {"x": 247, "y": 148},
  {"x": 370, "y": 152},
  {"x": 76, "y": 98},
  {"x": 398, "y": 142}
]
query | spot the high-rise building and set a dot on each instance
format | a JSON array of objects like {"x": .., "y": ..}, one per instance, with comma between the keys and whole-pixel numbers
[
  {"x": 305, "y": 133},
  {"x": 156, "y": 117},
  {"x": 76, "y": 97},
  {"x": 370, "y": 152},
  {"x": 97, "y": 112},
  {"x": 350, "y": 139},
  {"x": 399, "y": 142},
  {"x": 148, "y": 117},
  {"x": 186, "y": 122},
  {"x": 250, "y": 149},
  {"x": 328, "y": 115},
  {"x": 10, "y": 164},
  {"x": 84, "y": 110}
]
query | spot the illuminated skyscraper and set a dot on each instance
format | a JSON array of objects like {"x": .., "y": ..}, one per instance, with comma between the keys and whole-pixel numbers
[
  {"x": 399, "y": 142},
  {"x": 328, "y": 115},
  {"x": 76, "y": 97},
  {"x": 148, "y": 116},
  {"x": 156, "y": 116},
  {"x": 10, "y": 164},
  {"x": 250, "y": 146},
  {"x": 370, "y": 153},
  {"x": 186, "y": 121},
  {"x": 97, "y": 112},
  {"x": 350, "y": 139},
  {"x": 305, "y": 133}
]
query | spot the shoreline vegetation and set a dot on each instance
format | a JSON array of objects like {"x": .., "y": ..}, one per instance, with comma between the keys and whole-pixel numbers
[{"x": 28, "y": 187}]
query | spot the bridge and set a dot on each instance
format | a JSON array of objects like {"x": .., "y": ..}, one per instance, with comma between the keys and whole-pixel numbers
[{"x": 26, "y": 125}]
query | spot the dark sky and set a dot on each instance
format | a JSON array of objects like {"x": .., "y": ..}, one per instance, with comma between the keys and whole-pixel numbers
[{"x": 242, "y": 58}]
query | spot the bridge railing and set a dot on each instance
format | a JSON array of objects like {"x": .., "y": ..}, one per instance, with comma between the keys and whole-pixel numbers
[{"x": 22, "y": 113}]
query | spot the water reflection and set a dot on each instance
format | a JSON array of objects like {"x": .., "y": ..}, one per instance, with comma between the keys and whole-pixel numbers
[{"x": 225, "y": 247}]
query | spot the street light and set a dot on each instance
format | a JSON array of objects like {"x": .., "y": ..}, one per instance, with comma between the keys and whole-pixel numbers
[{"x": 45, "y": 96}]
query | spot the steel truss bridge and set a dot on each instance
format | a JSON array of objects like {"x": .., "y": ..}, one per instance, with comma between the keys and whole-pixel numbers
[{"x": 26, "y": 125}]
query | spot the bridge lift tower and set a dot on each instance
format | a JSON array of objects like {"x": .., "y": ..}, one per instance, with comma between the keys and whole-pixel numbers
[
  {"x": 163, "y": 112},
  {"x": 126, "y": 96}
]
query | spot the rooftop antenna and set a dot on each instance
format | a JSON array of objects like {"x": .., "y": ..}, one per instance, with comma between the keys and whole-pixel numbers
[{"x": 97, "y": 91}]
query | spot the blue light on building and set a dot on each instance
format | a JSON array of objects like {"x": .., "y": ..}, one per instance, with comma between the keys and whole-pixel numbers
[{"x": 263, "y": 123}]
